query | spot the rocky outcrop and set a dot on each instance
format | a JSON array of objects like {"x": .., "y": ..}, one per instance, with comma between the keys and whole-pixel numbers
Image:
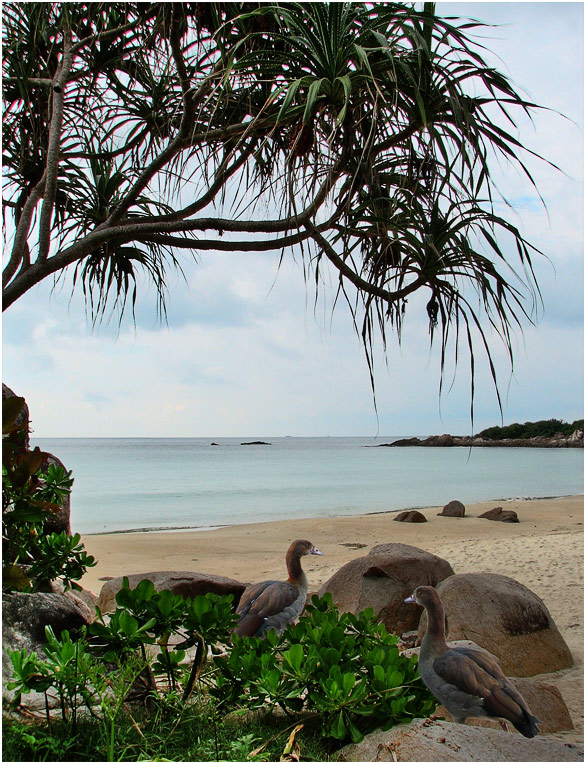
[
  {"x": 410, "y": 516},
  {"x": 506, "y": 618},
  {"x": 186, "y": 583},
  {"x": 575, "y": 440},
  {"x": 453, "y": 509},
  {"x": 426, "y": 740},
  {"x": 501, "y": 515},
  {"x": 383, "y": 579}
]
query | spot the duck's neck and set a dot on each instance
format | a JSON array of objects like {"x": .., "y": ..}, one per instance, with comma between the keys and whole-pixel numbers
[
  {"x": 435, "y": 636},
  {"x": 296, "y": 575}
]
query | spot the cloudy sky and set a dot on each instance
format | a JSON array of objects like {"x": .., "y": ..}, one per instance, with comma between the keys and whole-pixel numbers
[{"x": 247, "y": 353}]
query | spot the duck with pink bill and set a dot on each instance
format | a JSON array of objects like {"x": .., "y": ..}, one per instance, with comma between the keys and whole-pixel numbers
[
  {"x": 467, "y": 682},
  {"x": 275, "y": 604}
]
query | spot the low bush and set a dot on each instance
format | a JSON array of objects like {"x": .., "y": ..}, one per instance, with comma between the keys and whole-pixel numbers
[
  {"x": 344, "y": 668},
  {"x": 31, "y": 557}
]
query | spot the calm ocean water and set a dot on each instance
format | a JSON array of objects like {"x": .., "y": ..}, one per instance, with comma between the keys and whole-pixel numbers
[{"x": 126, "y": 484}]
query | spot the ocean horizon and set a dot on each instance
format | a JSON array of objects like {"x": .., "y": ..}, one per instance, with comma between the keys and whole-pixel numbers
[{"x": 161, "y": 484}]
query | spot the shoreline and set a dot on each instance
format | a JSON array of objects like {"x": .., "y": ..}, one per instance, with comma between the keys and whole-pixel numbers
[
  {"x": 202, "y": 528},
  {"x": 544, "y": 551}
]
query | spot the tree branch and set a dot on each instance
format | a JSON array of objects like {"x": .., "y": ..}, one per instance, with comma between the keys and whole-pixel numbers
[
  {"x": 52, "y": 164},
  {"x": 360, "y": 283},
  {"x": 265, "y": 245},
  {"x": 22, "y": 230}
]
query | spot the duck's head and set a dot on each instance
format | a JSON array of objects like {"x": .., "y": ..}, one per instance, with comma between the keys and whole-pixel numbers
[
  {"x": 423, "y": 595},
  {"x": 302, "y": 547}
]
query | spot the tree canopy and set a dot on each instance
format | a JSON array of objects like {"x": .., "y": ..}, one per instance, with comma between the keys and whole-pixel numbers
[{"x": 361, "y": 134}]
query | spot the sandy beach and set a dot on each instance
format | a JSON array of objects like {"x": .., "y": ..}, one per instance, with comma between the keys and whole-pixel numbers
[{"x": 544, "y": 551}]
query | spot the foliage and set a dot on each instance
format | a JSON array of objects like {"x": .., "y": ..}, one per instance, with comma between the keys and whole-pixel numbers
[
  {"x": 135, "y": 131},
  {"x": 144, "y": 616},
  {"x": 345, "y": 668},
  {"x": 342, "y": 673},
  {"x": 32, "y": 493},
  {"x": 545, "y": 428}
]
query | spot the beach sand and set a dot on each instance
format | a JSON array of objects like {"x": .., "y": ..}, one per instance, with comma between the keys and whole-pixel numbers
[{"x": 544, "y": 551}]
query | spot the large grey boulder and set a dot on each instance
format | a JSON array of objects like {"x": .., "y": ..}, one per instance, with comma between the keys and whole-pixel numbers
[
  {"x": 24, "y": 617},
  {"x": 383, "y": 579},
  {"x": 83, "y": 599},
  {"x": 186, "y": 583},
  {"x": 506, "y": 618},
  {"x": 426, "y": 740}
]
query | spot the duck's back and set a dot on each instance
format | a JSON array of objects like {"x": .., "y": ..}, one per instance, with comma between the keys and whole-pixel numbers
[{"x": 269, "y": 605}]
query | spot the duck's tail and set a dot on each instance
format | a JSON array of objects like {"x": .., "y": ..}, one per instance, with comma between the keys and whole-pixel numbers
[{"x": 528, "y": 726}]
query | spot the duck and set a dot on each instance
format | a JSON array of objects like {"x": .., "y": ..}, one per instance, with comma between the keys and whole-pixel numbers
[
  {"x": 275, "y": 604},
  {"x": 467, "y": 682}
]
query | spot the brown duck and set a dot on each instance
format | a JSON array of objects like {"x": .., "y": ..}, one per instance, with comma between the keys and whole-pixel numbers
[
  {"x": 467, "y": 682},
  {"x": 275, "y": 604}
]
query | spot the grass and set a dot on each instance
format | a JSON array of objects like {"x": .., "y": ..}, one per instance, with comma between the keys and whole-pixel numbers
[{"x": 197, "y": 734}]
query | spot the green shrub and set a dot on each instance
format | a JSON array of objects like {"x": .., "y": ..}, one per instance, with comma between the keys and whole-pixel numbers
[
  {"x": 545, "y": 428},
  {"x": 32, "y": 558},
  {"x": 345, "y": 668}
]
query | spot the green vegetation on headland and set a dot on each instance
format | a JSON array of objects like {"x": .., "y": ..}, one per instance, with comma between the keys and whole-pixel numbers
[{"x": 545, "y": 428}]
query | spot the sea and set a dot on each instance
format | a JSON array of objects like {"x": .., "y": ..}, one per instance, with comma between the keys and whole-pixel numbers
[{"x": 162, "y": 484}]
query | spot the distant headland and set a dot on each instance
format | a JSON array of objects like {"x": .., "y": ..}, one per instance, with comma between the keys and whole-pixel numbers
[{"x": 547, "y": 433}]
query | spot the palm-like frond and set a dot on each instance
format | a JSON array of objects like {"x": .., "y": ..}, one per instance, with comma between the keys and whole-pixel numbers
[{"x": 370, "y": 128}]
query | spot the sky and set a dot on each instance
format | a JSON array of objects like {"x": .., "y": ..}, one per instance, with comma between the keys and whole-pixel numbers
[{"x": 247, "y": 352}]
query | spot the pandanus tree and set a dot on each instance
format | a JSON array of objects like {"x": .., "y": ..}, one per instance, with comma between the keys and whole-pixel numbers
[{"x": 361, "y": 134}]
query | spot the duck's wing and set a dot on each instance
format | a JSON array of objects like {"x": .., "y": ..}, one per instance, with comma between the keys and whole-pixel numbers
[
  {"x": 480, "y": 675},
  {"x": 250, "y": 595},
  {"x": 261, "y": 601}
]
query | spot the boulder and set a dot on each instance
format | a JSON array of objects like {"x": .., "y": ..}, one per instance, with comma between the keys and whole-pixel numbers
[
  {"x": 426, "y": 740},
  {"x": 23, "y": 417},
  {"x": 84, "y": 600},
  {"x": 453, "y": 509},
  {"x": 506, "y": 618},
  {"x": 61, "y": 520},
  {"x": 410, "y": 516},
  {"x": 24, "y": 617},
  {"x": 186, "y": 583},
  {"x": 544, "y": 700},
  {"x": 500, "y": 514},
  {"x": 383, "y": 579}
]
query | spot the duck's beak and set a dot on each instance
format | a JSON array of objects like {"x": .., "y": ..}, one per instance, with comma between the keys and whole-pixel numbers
[
  {"x": 315, "y": 550},
  {"x": 410, "y": 599}
]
